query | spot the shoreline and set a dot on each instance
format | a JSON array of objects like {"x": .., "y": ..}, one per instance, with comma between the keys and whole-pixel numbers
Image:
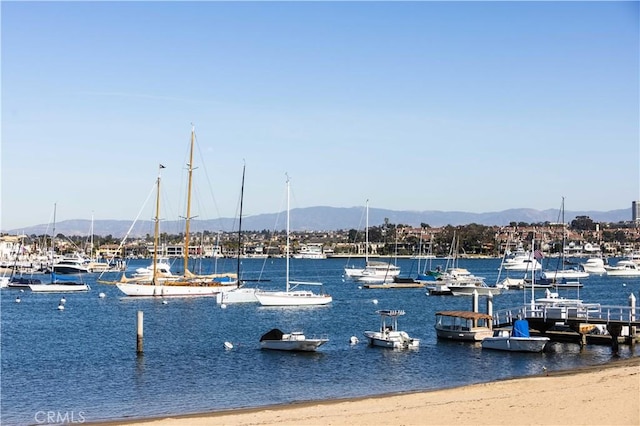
[{"x": 599, "y": 394}]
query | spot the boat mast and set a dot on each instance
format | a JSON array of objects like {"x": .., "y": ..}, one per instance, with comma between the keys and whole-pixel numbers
[
  {"x": 240, "y": 227},
  {"x": 53, "y": 245},
  {"x": 156, "y": 229},
  {"x": 287, "y": 249},
  {"x": 366, "y": 236},
  {"x": 188, "y": 215}
]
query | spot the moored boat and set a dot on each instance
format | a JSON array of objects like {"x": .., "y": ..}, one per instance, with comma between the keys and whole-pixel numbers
[
  {"x": 275, "y": 339},
  {"x": 389, "y": 336},
  {"x": 463, "y": 325},
  {"x": 516, "y": 339}
]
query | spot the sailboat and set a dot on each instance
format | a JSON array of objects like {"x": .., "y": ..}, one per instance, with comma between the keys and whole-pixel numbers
[
  {"x": 291, "y": 296},
  {"x": 188, "y": 284},
  {"x": 240, "y": 294},
  {"x": 57, "y": 285},
  {"x": 562, "y": 277},
  {"x": 374, "y": 272}
]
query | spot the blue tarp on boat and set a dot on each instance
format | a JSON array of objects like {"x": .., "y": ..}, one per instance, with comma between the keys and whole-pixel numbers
[{"x": 521, "y": 328}]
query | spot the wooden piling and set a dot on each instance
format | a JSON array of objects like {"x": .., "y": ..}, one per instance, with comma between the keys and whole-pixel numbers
[{"x": 140, "y": 329}]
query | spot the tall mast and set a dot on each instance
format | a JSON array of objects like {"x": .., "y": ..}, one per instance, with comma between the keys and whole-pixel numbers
[
  {"x": 287, "y": 249},
  {"x": 240, "y": 226},
  {"x": 366, "y": 235},
  {"x": 53, "y": 245},
  {"x": 156, "y": 229},
  {"x": 188, "y": 215}
]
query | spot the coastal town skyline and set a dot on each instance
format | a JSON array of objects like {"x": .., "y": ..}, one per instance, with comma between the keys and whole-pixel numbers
[{"x": 460, "y": 106}]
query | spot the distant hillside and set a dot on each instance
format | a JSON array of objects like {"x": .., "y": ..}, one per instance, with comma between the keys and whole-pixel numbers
[{"x": 322, "y": 219}]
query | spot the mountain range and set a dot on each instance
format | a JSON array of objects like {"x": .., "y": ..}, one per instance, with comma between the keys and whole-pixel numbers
[{"x": 322, "y": 219}]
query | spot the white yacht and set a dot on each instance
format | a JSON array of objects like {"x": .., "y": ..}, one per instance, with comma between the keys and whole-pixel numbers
[{"x": 624, "y": 268}]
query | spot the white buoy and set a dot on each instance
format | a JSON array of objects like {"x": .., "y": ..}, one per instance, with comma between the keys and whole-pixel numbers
[
  {"x": 164, "y": 302},
  {"x": 624, "y": 284},
  {"x": 223, "y": 306},
  {"x": 228, "y": 345},
  {"x": 63, "y": 301},
  {"x": 102, "y": 295},
  {"x": 359, "y": 287},
  {"x": 61, "y": 307},
  {"x": 18, "y": 299},
  {"x": 354, "y": 340},
  {"x": 375, "y": 301}
]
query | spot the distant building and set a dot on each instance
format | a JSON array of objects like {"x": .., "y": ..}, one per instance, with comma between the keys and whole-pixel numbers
[{"x": 635, "y": 211}]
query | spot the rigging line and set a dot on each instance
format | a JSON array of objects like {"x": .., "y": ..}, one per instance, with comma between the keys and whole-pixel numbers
[{"x": 151, "y": 192}]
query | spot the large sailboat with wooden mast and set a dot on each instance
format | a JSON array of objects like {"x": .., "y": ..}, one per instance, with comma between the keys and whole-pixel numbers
[{"x": 187, "y": 284}]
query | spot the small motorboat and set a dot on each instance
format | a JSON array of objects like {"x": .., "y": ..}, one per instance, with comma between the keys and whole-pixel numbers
[
  {"x": 295, "y": 341},
  {"x": 389, "y": 336},
  {"x": 516, "y": 339}
]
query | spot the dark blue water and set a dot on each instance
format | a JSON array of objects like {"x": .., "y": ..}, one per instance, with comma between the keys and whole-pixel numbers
[{"x": 82, "y": 361}]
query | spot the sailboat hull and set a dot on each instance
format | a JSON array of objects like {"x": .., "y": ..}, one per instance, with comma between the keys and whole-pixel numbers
[
  {"x": 292, "y": 298},
  {"x": 58, "y": 288},
  {"x": 149, "y": 290}
]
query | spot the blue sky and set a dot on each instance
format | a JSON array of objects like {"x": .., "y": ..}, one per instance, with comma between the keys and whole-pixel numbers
[{"x": 466, "y": 106}]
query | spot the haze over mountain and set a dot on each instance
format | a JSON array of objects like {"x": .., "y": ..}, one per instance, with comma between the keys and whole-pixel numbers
[{"x": 321, "y": 219}]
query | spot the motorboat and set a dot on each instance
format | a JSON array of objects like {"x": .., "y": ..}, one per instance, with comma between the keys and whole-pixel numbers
[
  {"x": 376, "y": 272},
  {"x": 310, "y": 251},
  {"x": 389, "y": 336},
  {"x": 563, "y": 274},
  {"x": 463, "y": 325},
  {"x": 521, "y": 260},
  {"x": 516, "y": 339},
  {"x": 624, "y": 268},
  {"x": 594, "y": 265},
  {"x": 467, "y": 289},
  {"x": 275, "y": 339},
  {"x": 73, "y": 264},
  {"x": 162, "y": 270}
]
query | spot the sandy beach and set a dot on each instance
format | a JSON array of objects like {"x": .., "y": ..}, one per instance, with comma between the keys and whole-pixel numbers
[{"x": 606, "y": 394}]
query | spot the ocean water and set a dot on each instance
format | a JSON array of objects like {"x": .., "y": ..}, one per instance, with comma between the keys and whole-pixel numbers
[{"x": 81, "y": 365}]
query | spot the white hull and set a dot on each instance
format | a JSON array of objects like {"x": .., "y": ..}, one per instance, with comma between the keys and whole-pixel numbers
[
  {"x": 468, "y": 290},
  {"x": 391, "y": 339},
  {"x": 58, "y": 288},
  {"x": 307, "y": 345},
  {"x": 292, "y": 298},
  {"x": 515, "y": 344},
  {"x": 624, "y": 268},
  {"x": 160, "y": 290},
  {"x": 565, "y": 274},
  {"x": 237, "y": 295}
]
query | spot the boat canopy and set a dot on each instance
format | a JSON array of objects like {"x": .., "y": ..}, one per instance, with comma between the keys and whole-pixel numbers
[
  {"x": 464, "y": 314},
  {"x": 274, "y": 334}
]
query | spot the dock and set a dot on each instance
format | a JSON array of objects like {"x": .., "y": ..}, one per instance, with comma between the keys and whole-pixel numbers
[{"x": 578, "y": 321}]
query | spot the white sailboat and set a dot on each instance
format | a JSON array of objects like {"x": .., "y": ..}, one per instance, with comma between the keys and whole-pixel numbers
[
  {"x": 184, "y": 285},
  {"x": 240, "y": 294},
  {"x": 291, "y": 296},
  {"x": 57, "y": 285},
  {"x": 374, "y": 272}
]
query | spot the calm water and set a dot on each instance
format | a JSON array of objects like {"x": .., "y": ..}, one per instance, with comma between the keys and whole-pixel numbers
[{"x": 81, "y": 362}]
